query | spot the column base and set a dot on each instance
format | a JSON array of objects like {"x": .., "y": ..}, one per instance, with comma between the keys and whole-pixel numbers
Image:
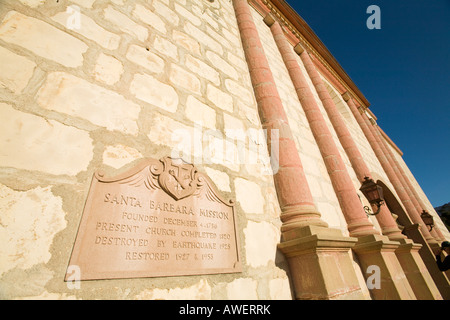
[
  {"x": 377, "y": 251},
  {"x": 416, "y": 272},
  {"x": 321, "y": 265},
  {"x": 426, "y": 253}
]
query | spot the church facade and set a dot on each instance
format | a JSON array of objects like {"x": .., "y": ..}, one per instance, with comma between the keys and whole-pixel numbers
[{"x": 246, "y": 93}]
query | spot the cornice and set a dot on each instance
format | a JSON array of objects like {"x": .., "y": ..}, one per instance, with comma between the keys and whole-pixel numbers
[
  {"x": 297, "y": 30},
  {"x": 386, "y": 137}
]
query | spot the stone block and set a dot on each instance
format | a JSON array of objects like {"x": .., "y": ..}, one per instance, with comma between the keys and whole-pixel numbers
[
  {"x": 206, "y": 15},
  {"x": 145, "y": 58},
  {"x": 150, "y": 90},
  {"x": 84, "y": 3},
  {"x": 42, "y": 39},
  {"x": 184, "y": 79},
  {"x": 202, "y": 69},
  {"x": 165, "y": 131},
  {"x": 30, "y": 142},
  {"x": 32, "y": 3},
  {"x": 232, "y": 37},
  {"x": 249, "y": 196},
  {"x": 331, "y": 216},
  {"x": 259, "y": 250},
  {"x": 249, "y": 113},
  {"x": 220, "y": 151},
  {"x": 29, "y": 222},
  {"x": 239, "y": 91},
  {"x": 218, "y": 37},
  {"x": 125, "y": 24},
  {"x": 165, "y": 12},
  {"x": 280, "y": 289},
  {"x": 198, "y": 291},
  {"x": 77, "y": 97},
  {"x": 186, "y": 42},
  {"x": 200, "y": 113},
  {"x": 187, "y": 15},
  {"x": 165, "y": 47},
  {"x": 203, "y": 38},
  {"x": 237, "y": 61},
  {"x": 150, "y": 18},
  {"x": 107, "y": 69},
  {"x": 16, "y": 71},
  {"x": 242, "y": 289},
  {"x": 219, "y": 98},
  {"x": 220, "y": 178},
  {"x": 91, "y": 30},
  {"x": 221, "y": 65},
  {"x": 119, "y": 155},
  {"x": 234, "y": 128}
]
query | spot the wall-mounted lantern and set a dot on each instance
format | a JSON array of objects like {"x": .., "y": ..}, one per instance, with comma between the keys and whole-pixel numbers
[
  {"x": 373, "y": 193},
  {"x": 427, "y": 219}
]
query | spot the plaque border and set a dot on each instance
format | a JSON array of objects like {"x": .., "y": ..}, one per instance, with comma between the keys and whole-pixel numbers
[{"x": 99, "y": 176}]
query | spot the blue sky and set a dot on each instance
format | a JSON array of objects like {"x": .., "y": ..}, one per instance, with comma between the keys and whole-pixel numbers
[{"x": 403, "y": 69}]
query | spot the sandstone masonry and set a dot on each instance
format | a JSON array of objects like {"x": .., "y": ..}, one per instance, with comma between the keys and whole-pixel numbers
[
  {"x": 104, "y": 93},
  {"x": 92, "y": 84}
]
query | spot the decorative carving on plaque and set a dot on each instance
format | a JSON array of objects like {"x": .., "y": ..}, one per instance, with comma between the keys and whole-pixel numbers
[
  {"x": 161, "y": 218},
  {"x": 179, "y": 180}
]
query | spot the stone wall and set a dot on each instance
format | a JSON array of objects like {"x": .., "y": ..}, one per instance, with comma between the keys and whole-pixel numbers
[
  {"x": 102, "y": 84},
  {"x": 97, "y": 84}
]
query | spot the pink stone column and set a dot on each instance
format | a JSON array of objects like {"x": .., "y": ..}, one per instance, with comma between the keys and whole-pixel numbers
[
  {"x": 387, "y": 223},
  {"x": 423, "y": 236},
  {"x": 372, "y": 248},
  {"x": 417, "y": 202},
  {"x": 358, "y": 224},
  {"x": 294, "y": 195},
  {"x": 376, "y": 145}
]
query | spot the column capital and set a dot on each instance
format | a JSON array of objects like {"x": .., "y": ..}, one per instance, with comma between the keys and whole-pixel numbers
[
  {"x": 298, "y": 48},
  {"x": 346, "y": 96},
  {"x": 269, "y": 19},
  {"x": 361, "y": 110}
]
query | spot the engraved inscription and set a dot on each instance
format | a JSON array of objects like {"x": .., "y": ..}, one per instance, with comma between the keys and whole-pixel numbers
[
  {"x": 122, "y": 200},
  {"x": 162, "y": 218}
]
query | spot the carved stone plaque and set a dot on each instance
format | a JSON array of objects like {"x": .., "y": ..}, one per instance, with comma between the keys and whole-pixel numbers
[{"x": 161, "y": 218}]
